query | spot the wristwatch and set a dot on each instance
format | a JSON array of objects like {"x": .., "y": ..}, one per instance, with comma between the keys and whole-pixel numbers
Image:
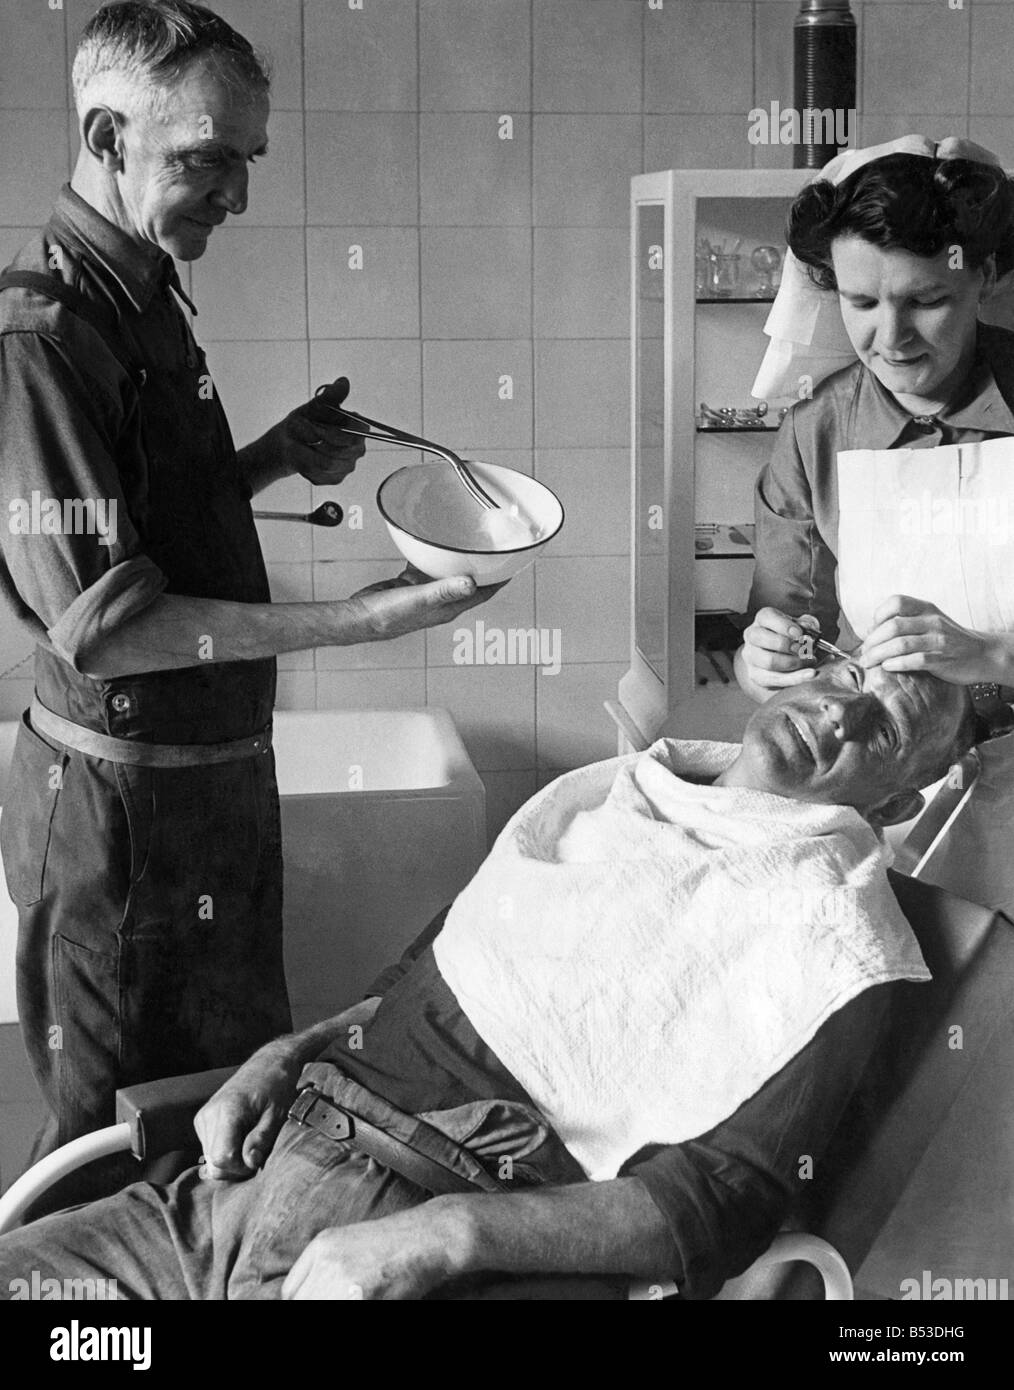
[{"x": 994, "y": 716}]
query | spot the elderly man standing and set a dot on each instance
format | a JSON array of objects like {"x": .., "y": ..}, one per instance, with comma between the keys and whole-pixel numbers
[{"x": 141, "y": 836}]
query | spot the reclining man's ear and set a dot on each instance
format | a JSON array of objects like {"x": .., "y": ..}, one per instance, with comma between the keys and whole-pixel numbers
[{"x": 897, "y": 808}]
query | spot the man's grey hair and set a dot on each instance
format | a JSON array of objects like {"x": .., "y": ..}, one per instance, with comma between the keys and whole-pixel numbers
[{"x": 132, "y": 52}]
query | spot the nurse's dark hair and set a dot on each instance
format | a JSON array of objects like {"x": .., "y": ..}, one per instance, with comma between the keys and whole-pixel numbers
[
  {"x": 911, "y": 203},
  {"x": 149, "y": 42}
]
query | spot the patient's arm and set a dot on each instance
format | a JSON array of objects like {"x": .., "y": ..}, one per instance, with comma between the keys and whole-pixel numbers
[
  {"x": 726, "y": 1194},
  {"x": 697, "y": 1213},
  {"x": 604, "y": 1227}
]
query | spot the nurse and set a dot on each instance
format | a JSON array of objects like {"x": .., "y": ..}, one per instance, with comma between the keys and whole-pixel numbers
[{"x": 886, "y": 513}]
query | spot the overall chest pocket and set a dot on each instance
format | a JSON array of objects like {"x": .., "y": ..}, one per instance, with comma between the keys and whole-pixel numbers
[{"x": 33, "y": 789}]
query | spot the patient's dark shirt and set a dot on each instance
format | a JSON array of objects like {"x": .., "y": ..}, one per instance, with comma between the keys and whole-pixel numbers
[{"x": 724, "y": 1195}]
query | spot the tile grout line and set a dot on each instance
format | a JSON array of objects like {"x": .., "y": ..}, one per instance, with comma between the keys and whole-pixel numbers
[
  {"x": 68, "y": 91},
  {"x": 532, "y": 349},
  {"x": 304, "y": 112},
  {"x": 968, "y": 82},
  {"x": 419, "y": 285}
]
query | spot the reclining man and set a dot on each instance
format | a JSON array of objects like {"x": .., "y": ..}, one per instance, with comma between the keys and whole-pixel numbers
[{"x": 667, "y": 977}]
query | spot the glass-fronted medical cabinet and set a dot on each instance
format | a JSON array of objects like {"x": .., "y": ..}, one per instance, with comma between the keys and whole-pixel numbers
[{"x": 707, "y": 248}]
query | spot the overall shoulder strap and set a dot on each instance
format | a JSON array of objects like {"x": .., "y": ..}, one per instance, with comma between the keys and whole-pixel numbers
[{"x": 97, "y": 316}]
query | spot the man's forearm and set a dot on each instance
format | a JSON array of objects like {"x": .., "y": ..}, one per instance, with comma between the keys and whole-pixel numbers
[
  {"x": 586, "y": 1228},
  {"x": 296, "y": 1049},
  {"x": 261, "y": 465},
  {"x": 177, "y": 631}
]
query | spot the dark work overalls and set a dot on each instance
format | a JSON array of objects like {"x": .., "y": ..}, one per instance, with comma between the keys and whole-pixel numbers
[{"x": 149, "y": 899}]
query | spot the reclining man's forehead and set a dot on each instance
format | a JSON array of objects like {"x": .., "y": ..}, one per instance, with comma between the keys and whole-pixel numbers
[{"x": 924, "y": 695}]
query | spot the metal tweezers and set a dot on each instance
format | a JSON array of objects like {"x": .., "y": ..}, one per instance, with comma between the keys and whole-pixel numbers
[
  {"x": 832, "y": 650},
  {"x": 390, "y": 434}
]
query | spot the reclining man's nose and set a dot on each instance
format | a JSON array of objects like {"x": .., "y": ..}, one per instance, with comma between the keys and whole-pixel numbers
[{"x": 847, "y": 717}]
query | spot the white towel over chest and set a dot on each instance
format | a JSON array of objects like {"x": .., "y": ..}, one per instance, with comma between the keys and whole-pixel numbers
[{"x": 642, "y": 952}]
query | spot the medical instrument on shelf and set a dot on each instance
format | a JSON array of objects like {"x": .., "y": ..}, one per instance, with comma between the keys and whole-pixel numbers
[
  {"x": 731, "y": 417},
  {"x": 390, "y": 434}
]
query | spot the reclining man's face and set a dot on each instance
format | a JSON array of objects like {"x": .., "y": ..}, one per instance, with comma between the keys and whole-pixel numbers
[{"x": 851, "y": 737}]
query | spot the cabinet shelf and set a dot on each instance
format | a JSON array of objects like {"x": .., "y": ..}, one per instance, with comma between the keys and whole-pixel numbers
[
  {"x": 736, "y": 429},
  {"x": 734, "y": 299}
]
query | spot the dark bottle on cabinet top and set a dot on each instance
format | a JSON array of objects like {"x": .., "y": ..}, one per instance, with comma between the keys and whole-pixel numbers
[{"x": 824, "y": 42}]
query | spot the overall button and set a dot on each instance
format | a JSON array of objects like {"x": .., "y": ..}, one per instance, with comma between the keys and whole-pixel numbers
[{"x": 121, "y": 703}]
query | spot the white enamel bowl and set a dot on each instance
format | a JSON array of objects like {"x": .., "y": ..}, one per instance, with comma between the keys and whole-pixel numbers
[{"x": 440, "y": 528}]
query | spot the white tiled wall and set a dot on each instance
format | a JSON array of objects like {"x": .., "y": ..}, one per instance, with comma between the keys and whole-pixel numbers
[{"x": 483, "y": 258}]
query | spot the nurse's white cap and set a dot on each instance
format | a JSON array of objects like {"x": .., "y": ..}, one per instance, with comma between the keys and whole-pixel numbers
[{"x": 801, "y": 344}]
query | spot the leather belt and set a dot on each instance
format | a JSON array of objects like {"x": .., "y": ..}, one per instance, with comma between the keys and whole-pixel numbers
[
  {"x": 123, "y": 750},
  {"x": 313, "y": 1108}
]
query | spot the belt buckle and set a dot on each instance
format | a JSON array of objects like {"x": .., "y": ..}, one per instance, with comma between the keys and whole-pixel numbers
[{"x": 313, "y": 1109}]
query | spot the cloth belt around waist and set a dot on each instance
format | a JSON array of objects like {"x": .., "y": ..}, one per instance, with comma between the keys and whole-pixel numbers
[
  {"x": 122, "y": 750},
  {"x": 318, "y": 1111}
]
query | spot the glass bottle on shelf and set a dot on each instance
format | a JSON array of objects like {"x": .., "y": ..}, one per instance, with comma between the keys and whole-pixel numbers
[
  {"x": 724, "y": 278},
  {"x": 766, "y": 260}
]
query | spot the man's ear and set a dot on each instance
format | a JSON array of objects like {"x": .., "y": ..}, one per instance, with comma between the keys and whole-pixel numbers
[
  {"x": 901, "y": 807},
  {"x": 100, "y": 133}
]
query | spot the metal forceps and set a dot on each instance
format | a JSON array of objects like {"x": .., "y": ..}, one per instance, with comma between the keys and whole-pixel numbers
[
  {"x": 832, "y": 650},
  {"x": 390, "y": 434}
]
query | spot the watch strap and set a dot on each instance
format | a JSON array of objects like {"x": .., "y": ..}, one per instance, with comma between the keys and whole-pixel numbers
[{"x": 994, "y": 716}]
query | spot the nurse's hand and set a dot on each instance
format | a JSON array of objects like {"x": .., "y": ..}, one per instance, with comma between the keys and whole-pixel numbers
[
  {"x": 773, "y": 649},
  {"x": 910, "y": 634}
]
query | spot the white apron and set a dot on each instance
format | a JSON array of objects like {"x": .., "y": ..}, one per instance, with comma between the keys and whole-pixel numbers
[{"x": 938, "y": 524}]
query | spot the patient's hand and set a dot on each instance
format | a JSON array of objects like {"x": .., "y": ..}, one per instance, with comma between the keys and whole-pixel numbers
[
  {"x": 239, "y": 1124},
  {"x": 402, "y": 1256}
]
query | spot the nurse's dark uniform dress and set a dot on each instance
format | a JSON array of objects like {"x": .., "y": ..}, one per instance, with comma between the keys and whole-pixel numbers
[
  {"x": 149, "y": 897},
  {"x": 852, "y": 508}
]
